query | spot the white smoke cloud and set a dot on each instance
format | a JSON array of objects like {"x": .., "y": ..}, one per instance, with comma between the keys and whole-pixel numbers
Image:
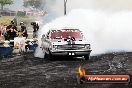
[
  {"x": 57, "y": 6},
  {"x": 105, "y": 32},
  {"x": 105, "y": 23},
  {"x": 116, "y": 5}
]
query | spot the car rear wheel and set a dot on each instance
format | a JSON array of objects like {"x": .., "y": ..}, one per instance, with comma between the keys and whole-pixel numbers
[{"x": 87, "y": 57}]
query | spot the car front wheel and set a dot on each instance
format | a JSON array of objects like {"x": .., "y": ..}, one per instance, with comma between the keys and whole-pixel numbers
[
  {"x": 87, "y": 57},
  {"x": 48, "y": 56}
]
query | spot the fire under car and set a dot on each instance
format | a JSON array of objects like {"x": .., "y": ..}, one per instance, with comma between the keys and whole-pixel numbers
[{"x": 65, "y": 42}]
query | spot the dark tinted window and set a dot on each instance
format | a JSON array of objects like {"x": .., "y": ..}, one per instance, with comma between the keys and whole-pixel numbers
[{"x": 65, "y": 33}]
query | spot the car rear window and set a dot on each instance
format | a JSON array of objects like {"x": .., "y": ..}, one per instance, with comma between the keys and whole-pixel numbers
[{"x": 65, "y": 33}]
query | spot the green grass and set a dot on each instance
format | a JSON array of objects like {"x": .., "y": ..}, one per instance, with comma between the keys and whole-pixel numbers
[{"x": 6, "y": 19}]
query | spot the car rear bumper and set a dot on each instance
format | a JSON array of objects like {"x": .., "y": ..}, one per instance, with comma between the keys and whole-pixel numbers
[{"x": 71, "y": 52}]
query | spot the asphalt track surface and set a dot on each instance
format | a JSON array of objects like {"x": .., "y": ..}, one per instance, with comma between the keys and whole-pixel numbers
[{"x": 26, "y": 71}]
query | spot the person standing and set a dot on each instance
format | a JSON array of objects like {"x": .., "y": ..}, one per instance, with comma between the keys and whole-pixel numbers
[
  {"x": 4, "y": 30},
  {"x": 23, "y": 30},
  {"x": 0, "y": 29},
  {"x": 9, "y": 30},
  {"x": 35, "y": 29},
  {"x": 11, "y": 33}
]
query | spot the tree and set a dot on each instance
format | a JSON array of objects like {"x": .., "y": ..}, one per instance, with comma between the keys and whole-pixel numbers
[
  {"x": 37, "y": 4},
  {"x": 5, "y": 2}
]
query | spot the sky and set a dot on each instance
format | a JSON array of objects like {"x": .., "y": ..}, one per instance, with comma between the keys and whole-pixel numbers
[
  {"x": 17, "y": 5},
  {"x": 104, "y": 5},
  {"x": 57, "y": 5}
]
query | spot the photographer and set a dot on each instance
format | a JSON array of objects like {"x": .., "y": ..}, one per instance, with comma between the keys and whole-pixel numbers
[
  {"x": 35, "y": 29},
  {"x": 10, "y": 32}
]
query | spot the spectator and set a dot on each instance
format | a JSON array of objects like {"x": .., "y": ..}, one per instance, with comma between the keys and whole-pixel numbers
[
  {"x": 4, "y": 29},
  {"x": 1, "y": 28},
  {"x": 23, "y": 30},
  {"x": 11, "y": 33},
  {"x": 9, "y": 30},
  {"x": 6, "y": 35},
  {"x": 35, "y": 29}
]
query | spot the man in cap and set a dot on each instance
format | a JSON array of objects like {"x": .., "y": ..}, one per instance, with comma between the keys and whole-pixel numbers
[
  {"x": 35, "y": 28},
  {"x": 23, "y": 30}
]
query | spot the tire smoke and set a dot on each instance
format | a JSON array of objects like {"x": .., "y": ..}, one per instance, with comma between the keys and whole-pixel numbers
[{"x": 106, "y": 32}]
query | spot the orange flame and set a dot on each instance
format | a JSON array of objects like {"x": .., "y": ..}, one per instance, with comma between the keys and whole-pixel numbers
[{"x": 81, "y": 71}]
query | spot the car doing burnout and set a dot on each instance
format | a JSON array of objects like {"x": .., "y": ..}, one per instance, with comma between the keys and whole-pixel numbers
[{"x": 65, "y": 42}]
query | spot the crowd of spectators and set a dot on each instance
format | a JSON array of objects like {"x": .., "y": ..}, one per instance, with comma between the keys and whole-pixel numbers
[{"x": 9, "y": 32}]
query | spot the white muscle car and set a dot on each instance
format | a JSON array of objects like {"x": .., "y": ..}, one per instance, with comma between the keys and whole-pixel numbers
[{"x": 65, "y": 42}]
